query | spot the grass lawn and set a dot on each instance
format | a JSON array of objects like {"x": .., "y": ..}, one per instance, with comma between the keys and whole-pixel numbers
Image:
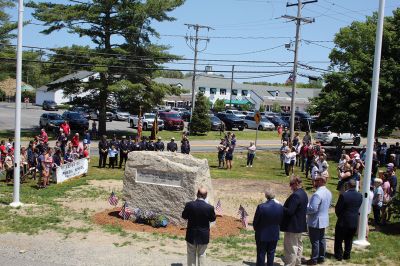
[{"x": 43, "y": 210}]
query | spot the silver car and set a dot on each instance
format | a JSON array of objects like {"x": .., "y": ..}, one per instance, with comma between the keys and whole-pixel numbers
[{"x": 264, "y": 124}]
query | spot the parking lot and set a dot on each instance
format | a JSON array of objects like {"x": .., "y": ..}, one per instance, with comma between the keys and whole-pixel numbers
[{"x": 30, "y": 115}]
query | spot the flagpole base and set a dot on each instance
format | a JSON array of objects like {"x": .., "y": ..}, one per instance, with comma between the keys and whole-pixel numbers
[
  {"x": 16, "y": 204},
  {"x": 361, "y": 243}
]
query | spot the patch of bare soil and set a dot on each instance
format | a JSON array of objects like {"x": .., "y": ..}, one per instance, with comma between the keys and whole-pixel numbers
[
  {"x": 225, "y": 225},
  {"x": 109, "y": 185}
]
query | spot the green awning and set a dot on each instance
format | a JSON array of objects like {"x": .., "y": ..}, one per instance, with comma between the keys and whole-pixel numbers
[{"x": 238, "y": 102}]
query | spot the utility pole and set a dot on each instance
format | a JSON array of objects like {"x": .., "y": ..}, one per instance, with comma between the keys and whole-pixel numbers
[
  {"x": 298, "y": 20},
  {"x": 230, "y": 97},
  {"x": 196, "y": 40}
]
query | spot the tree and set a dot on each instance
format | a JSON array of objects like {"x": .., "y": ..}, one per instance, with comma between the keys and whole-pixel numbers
[
  {"x": 276, "y": 108},
  {"x": 262, "y": 108},
  {"x": 120, "y": 31},
  {"x": 6, "y": 26},
  {"x": 201, "y": 122},
  {"x": 169, "y": 74},
  {"x": 219, "y": 105},
  {"x": 344, "y": 101}
]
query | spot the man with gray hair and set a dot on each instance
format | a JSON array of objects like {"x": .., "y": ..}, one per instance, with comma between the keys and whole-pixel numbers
[
  {"x": 199, "y": 215},
  {"x": 318, "y": 219},
  {"x": 266, "y": 223}
]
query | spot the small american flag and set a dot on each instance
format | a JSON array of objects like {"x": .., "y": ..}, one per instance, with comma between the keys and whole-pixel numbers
[
  {"x": 218, "y": 208},
  {"x": 125, "y": 211},
  {"x": 243, "y": 216},
  {"x": 113, "y": 200},
  {"x": 139, "y": 125}
]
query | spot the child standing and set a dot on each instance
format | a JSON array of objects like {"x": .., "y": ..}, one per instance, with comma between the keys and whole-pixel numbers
[{"x": 112, "y": 153}]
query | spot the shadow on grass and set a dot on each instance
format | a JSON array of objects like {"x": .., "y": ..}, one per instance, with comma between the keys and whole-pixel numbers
[{"x": 390, "y": 229}]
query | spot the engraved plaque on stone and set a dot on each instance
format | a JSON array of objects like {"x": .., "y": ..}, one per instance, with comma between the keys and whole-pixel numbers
[{"x": 158, "y": 178}]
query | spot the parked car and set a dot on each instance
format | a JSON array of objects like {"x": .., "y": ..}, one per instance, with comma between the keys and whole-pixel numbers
[
  {"x": 179, "y": 109},
  {"x": 147, "y": 121},
  {"x": 50, "y": 121},
  {"x": 76, "y": 120},
  {"x": 216, "y": 123},
  {"x": 231, "y": 121},
  {"x": 94, "y": 115},
  {"x": 50, "y": 106},
  {"x": 120, "y": 115},
  {"x": 186, "y": 115},
  {"x": 82, "y": 110},
  {"x": 236, "y": 113},
  {"x": 326, "y": 137},
  {"x": 172, "y": 120},
  {"x": 265, "y": 124},
  {"x": 277, "y": 120}
]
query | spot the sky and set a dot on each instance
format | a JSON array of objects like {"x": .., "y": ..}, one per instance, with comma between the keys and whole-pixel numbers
[{"x": 242, "y": 30}]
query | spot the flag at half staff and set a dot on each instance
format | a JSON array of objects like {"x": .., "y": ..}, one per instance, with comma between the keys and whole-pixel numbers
[
  {"x": 113, "y": 200},
  {"x": 125, "y": 211}
]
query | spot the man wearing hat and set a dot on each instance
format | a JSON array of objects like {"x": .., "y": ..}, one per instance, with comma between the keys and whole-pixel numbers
[
  {"x": 123, "y": 151},
  {"x": 318, "y": 219},
  {"x": 143, "y": 144},
  {"x": 172, "y": 146},
  {"x": 151, "y": 145},
  {"x": 159, "y": 145}
]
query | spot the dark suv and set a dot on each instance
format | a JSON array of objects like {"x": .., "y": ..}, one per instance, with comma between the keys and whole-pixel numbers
[
  {"x": 231, "y": 121},
  {"x": 50, "y": 106},
  {"x": 76, "y": 120},
  {"x": 172, "y": 120}
]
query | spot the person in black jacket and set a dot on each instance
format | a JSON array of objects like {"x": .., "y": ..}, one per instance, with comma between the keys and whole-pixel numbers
[
  {"x": 199, "y": 215},
  {"x": 185, "y": 145},
  {"x": 123, "y": 151},
  {"x": 294, "y": 222},
  {"x": 266, "y": 222},
  {"x": 103, "y": 151},
  {"x": 159, "y": 144},
  {"x": 172, "y": 146},
  {"x": 346, "y": 210}
]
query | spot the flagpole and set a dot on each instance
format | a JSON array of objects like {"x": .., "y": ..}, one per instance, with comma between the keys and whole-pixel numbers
[
  {"x": 362, "y": 241},
  {"x": 17, "y": 136}
]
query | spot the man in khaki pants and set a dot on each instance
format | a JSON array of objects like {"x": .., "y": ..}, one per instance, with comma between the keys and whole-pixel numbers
[
  {"x": 294, "y": 222},
  {"x": 199, "y": 215}
]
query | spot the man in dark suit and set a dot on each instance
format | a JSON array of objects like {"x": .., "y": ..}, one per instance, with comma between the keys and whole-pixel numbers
[
  {"x": 266, "y": 222},
  {"x": 346, "y": 210},
  {"x": 199, "y": 215},
  {"x": 294, "y": 222}
]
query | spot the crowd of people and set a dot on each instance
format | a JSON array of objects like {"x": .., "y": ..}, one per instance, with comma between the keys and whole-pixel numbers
[
  {"x": 117, "y": 150},
  {"x": 39, "y": 159}
]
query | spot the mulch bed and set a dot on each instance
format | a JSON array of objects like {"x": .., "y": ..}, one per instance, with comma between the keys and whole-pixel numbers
[{"x": 225, "y": 225}]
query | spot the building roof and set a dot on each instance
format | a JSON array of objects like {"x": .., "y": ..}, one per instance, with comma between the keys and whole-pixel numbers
[
  {"x": 264, "y": 91},
  {"x": 79, "y": 75}
]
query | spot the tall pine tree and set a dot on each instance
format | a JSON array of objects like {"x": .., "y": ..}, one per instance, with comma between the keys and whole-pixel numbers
[
  {"x": 123, "y": 54},
  {"x": 201, "y": 122}
]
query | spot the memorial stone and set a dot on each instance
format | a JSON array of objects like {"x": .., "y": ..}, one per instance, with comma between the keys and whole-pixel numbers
[{"x": 163, "y": 182}]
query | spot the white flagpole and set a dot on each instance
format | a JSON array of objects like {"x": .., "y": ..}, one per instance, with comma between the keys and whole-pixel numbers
[
  {"x": 361, "y": 241},
  {"x": 17, "y": 137}
]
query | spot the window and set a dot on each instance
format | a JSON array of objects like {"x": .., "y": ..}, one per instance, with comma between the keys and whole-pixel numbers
[
  {"x": 245, "y": 92},
  {"x": 213, "y": 91},
  {"x": 222, "y": 91},
  {"x": 202, "y": 89},
  {"x": 234, "y": 92}
]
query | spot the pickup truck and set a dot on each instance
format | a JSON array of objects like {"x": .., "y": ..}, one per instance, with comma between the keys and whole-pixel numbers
[
  {"x": 327, "y": 137},
  {"x": 147, "y": 121},
  {"x": 231, "y": 121}
]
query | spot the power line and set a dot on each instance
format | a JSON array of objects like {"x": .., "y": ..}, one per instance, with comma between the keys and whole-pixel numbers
[{"x": 250, "y": 52}]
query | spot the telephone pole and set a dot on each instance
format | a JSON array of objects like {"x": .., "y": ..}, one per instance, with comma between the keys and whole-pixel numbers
[
  {"x": 298, "y": 20},
  {"x": 196, "y": 40},
  {"x": 230, "y": 97}
]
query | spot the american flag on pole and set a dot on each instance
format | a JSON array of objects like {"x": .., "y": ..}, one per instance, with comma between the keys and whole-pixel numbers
[
  {"x": 290, "y": 79},
  {"x": 125, "y": 211},
  {"x": 218, "y": 208},
  {"x": 139, "y": 126},
  {"x": 243, "y": 216},
  {"x": 113, "y": 200}
]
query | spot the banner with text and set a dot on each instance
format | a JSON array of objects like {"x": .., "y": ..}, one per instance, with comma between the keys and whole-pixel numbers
[{"x": 70, "y": 170}]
